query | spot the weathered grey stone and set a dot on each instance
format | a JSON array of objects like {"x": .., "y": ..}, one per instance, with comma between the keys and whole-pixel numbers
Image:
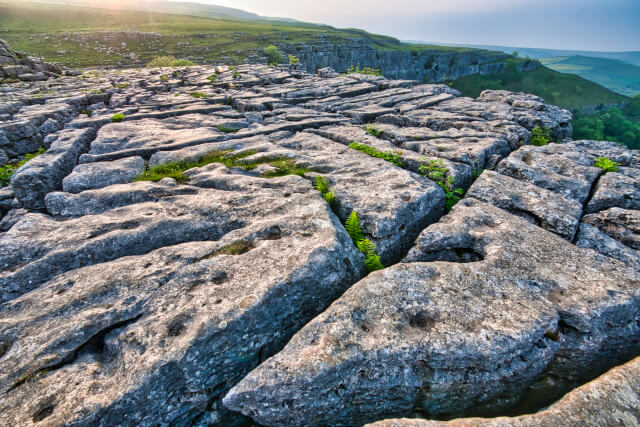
[
  {"x": 542, "y": 207},
  {"x": 44, "y": 174},
  {"x": 616, "y": 189},
  {"x": 620, "y": 224},
  {"x": 91, "y": 176},
  {"x": 592, "y": 238},
  {"x": 527, "y": 309},
  {"x": 612, "y": 399},
  {"x": 3, "y": 156},
  {"x": 553, "y": 171},
  {"x": 173, "y": 327}
]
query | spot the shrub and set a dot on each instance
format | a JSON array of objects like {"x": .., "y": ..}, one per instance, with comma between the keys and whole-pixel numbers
[
  {"x": 371, "y": 130},
  {"x": 117, "y": 118},
  {"x": 274, "y": 56},
  {"x": 607, "y": 165},
  {"x": 389, "y": 156},
  {"x": 540, "y": 136},
  {"x": 294, "y": 60},
  {"x": 436, "y": 171}
]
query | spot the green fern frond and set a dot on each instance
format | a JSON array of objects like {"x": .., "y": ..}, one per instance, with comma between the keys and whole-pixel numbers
[
  {"x": 372, "y": 259},
  {"x": 352, "y": 225}
]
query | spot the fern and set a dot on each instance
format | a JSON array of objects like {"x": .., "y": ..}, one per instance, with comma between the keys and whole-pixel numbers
[{"x": 352, "y": 225}]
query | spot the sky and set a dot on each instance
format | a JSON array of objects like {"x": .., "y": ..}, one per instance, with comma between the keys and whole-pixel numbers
[{"x": 605, "y": 25}]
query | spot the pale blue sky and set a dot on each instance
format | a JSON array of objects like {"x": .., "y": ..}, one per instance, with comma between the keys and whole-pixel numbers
[{"x": 611, "y": 25}]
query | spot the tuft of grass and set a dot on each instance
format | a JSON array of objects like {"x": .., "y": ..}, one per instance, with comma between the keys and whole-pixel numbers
[
  {"x": 371, "y": 130},
  {"x": 212, "y": 78},
  {"x": 436, "y": 171},
  {"x": 225, "y": 129},
  {"x": 238, "y": 247},
  {"x": 389, "y": 156},
  {"x": 236, "y": 75},
  {"x": 164, "y": 78},
  {"x": 364, "y": 245},
  {"x": 199, "y": 95},
  {"x": 540, "y": 136},
  {"x": 182, "y": 63},
  {"x": 284, "y": 166},
  {"x": 606, "y": 164},
  {"x": 7, "y": 170},
  {"x": 117, "y": 118},
  {"x": 122, "y": 85},
  {"x": 322, "y": 185},
  {"x": 86, "y": 112}
]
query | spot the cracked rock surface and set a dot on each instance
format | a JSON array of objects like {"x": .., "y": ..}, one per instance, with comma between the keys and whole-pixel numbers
[{"x": 167, "y": 246}]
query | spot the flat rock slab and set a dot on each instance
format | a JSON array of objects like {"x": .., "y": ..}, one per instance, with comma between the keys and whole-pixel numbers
[
  {"x": 91, "y": 176},
  {"x": 616, "y": 189},
  {"x": 542, "y": 207},
  {"x": 612, "y": 399},
  {"x": 169, "y": 303},
  {"x": 521, "y": 307},
  {"x": 620, "y": 224}
]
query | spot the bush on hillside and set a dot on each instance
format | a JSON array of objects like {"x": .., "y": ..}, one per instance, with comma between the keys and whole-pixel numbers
[{"x": 274, "y": 56}]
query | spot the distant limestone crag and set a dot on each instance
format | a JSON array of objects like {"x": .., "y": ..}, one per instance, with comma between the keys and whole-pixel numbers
[
  {"x": 15, "y": 65},
  {"x": 179, "y": 254}
]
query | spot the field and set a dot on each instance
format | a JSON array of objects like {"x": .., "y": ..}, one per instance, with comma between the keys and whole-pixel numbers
[
  {"x": 616, "y": 75},
  {"x": 85, "y": 37},
  {"x": 565, "y": 90}
]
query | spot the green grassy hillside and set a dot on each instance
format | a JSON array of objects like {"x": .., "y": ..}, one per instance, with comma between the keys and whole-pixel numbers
[
  {"x": 83, "y": 37},
  {"x": 613, "y": 74},
  {"x": 565, "y": 90}
]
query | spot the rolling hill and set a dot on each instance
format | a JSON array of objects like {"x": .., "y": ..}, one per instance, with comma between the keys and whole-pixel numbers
[
  {"x": 565, "y": 90},
  {"x": 613, "y": 74}
]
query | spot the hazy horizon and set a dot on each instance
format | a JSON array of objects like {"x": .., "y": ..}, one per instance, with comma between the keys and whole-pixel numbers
[{"x": 571, "y": 25}]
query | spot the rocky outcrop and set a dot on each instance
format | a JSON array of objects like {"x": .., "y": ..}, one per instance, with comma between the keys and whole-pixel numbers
[
  {"x": 15, "y": 65},
  {"x": 612, "y": 399},
  {"x": 425, "y": 65},
  {"x": 178, "y": 255}
]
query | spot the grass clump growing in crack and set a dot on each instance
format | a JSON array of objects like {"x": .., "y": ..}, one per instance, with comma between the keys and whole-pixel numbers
[
  {"x": 283, "y": 166},
  {"x": 364, "y": 245},
  {"x": 322, "y": 185},
  {"x": 164, "y": 78},
  {"x": 606, "y": 164},
  {"x": 117, "y": 118},
  {"x": 436, "y": 171},
  {"x": 540, "y": 136},
  {"x": 389, "y": 156},
  {"x": 199, "y": 95},
  {"x": 225, "y": 129},
  {"x": 7, "y": 170},
  {"x": 212, "y": 78},
  {"x": 371, "y": 130},
  {"x": 238, "y": 247}
]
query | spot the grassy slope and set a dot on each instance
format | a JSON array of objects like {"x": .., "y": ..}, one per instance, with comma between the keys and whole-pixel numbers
[
  {"x": 565, "y": 90},
  {"x": 25, "y": 25},
  {"x": 613, "y": 74}
]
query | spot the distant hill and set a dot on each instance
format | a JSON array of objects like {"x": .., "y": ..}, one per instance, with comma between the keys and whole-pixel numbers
[
  {"x": 171, "y": 7},
  {"x": 539, "y": 53},
  {"x": 565, "y": 90},
  {"x": 613, "y": 74}
]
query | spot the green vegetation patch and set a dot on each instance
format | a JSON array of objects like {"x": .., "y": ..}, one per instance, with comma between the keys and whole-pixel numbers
[
  {"x": 364, "y": 245},
  {"x": 273, "y": 54},
  {"x": 7, "y": 170},
  {"x": 322, "y": 185},
  {"x": 371, "y": 130},
  {"x": 367, "y": 71},
  {"x": 564, "y": 90},
  {"x": 606, "y": 164},
  {"x": 283, "y": 166},
  {"x": 117, "y": 118},
  {"x": 436, "y": 171},
  {"x": 199, "y": 95},
  {"x": 168, "y": 61},
  {"x": 540, "y": 136},
  {"x": 615, "y": 124},
  {"x": 389, "y": 156}
]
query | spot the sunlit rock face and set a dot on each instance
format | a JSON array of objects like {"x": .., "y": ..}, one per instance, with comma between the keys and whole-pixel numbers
[{"x": 174, "y": 250}]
